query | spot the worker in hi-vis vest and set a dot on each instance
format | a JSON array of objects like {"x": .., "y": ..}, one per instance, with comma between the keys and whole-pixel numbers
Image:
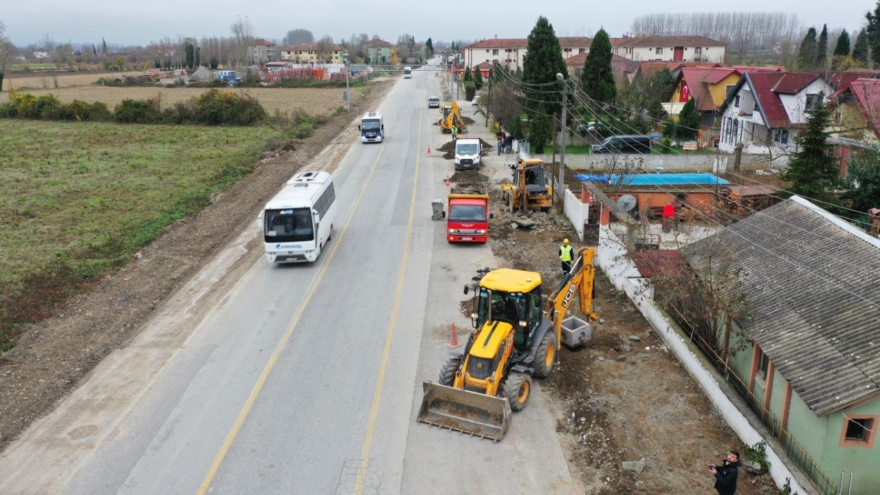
[{"x": 565, "y": 256}]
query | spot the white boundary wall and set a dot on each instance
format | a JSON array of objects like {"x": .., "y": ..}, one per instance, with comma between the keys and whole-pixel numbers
[
  {"x": 625, "y": 276},
  {"x": 576, "y": 211}
]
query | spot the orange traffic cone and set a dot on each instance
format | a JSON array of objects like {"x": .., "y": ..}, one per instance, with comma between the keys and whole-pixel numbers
[
  {"x": 429, "y": 149},
  {"x": 453, "y": 341},
  {"x": 447, "y": 181}
]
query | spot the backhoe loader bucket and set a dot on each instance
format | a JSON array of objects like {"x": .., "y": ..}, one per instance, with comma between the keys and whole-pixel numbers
[{"x": 465, "y": 411}]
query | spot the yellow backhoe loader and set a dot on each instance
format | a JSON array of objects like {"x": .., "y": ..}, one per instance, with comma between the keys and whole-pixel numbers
[
  {"x": 529, "y": 189},
  {"x": 452, "y": 116},
  {"x": 514, "y": 340}
]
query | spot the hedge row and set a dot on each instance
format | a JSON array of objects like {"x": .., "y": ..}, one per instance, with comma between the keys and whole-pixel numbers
[{"x": 211, "y": 108}]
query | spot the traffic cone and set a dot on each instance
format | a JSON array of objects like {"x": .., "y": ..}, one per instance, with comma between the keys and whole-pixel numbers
[
  {"x": 453, "y": 341},
  {"x": 446, "y": 180},
  {"x": 429, "y": 149}
]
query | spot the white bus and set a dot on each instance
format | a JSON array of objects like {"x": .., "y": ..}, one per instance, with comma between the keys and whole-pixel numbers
[
  {"x": 298, "y": 222},
  {"x": 372, "y": 128},
  {"x": 407, "y": 72}
]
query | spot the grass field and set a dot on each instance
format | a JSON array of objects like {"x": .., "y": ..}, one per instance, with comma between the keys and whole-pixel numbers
[
  {"x": 82, "y": 197},
  {"x": 313, "y": 101}
]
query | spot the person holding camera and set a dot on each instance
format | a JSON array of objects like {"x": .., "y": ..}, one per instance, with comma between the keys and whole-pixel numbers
[{"x": 725, "y": 474}]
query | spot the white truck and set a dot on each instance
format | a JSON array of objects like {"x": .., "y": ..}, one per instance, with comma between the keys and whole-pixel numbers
[{"x": 468, "y": 154}]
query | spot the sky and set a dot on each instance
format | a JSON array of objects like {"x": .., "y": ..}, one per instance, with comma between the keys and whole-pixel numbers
[{"x": 125, "y": 22}]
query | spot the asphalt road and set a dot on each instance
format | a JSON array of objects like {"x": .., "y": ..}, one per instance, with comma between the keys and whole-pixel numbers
[{"x": 302, "y": 378}]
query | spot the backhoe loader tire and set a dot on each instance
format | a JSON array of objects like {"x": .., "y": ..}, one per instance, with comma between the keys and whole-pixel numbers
[
  {"x": 447, "y": 372},
  {"x": 518, "y": 389},
  {"x": 545, "y": 356}
]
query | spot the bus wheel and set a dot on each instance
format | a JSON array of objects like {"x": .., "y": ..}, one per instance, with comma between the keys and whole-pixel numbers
[{"x": 330, "y": 235}]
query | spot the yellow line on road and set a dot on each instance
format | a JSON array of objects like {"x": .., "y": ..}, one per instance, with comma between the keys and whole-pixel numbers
[
  {"x": 377, "y": 395},
  {"x": 285, "y": 338}
]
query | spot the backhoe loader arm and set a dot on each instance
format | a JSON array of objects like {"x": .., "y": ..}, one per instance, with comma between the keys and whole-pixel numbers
[{"x": 580, "y": 279}]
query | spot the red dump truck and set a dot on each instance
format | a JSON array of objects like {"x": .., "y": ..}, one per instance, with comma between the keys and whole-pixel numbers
[{"x": 467, "y": 216}]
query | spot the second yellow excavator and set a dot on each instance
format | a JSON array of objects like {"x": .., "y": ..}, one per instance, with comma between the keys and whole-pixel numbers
[{"x": 452, "y": 116}]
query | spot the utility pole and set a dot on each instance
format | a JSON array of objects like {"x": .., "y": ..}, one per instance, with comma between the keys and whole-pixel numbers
[
  {"x": 347, "y": 90},
  {"x": 559, "y": 77},
  {"x": 489, "y": 96}
]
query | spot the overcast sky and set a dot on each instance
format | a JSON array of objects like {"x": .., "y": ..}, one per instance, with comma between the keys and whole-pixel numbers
[{"x": 130, "y": 22}]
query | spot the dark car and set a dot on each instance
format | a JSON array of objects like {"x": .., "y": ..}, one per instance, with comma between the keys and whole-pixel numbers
[{"x": 638, "y": 144}]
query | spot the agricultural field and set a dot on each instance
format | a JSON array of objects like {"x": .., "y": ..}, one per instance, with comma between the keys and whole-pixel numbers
[
  {"x": 54, "y": 80},
  {"x": 80, "y": 198},
  {"x": 314, "y": 101}
]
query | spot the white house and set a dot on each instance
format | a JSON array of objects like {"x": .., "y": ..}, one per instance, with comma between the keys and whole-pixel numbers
[
  {"x": 510, "y": 52},
  {"x": 766, "y": 109},
  {"x": 672, "y": 48}
]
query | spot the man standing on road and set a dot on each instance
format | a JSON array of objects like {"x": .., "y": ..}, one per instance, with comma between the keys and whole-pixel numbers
[
  {"x": 565, "y": 256},
  {"x": 725, "y": 475},
  {"x": 454, "y": 133}
]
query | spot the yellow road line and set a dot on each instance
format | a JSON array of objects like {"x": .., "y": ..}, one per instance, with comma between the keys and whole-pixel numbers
[
  {"x": 377, "y": 395},
  {"x": 285, "y": 338}
]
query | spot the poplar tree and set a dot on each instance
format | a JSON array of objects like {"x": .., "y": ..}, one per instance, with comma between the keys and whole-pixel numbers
[
  {"x": 860, "y": 48},
  {"x": 542, "y": 62}
]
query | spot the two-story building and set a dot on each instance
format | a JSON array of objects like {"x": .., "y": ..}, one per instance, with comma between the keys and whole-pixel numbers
[
  {"x": 708, "y": 86},
  {"x": 312, "y": 53},
  {"x": 806, "y": 354},
  {"x": 856, "y": 112},
  {"x": 261, "y": 51},
  {"x": 765, "y": 110},
  {"x": 378, "y": 51},
  {"x": 510, "y": 52},
  {"x": 673, "y": 48}
]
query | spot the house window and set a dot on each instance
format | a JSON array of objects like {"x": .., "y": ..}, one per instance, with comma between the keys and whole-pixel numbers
[
  {"x": 494, "y": 52},
  {"x": 780, "y": 136},
  {"x": 728, "y": 89},
  {"x": 858, "y": 431},
  {"x": 813, "y": 102},
  {"x": 658, "y": 50},
  {"x": 581, "y": 50},
  {"x": 736, "y": 101},
  {"x": 763, "y": 364},
  {"x": 698, "y": 50}
]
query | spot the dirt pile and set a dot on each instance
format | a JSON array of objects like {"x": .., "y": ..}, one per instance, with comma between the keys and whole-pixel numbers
[{"x": 468, "y": 120}]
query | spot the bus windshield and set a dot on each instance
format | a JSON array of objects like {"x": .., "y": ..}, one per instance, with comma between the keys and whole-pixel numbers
[
  {"x": 291, "y": 225},
  {"x": 370, "y": 125},
  {"x": 467, "y": 213}
]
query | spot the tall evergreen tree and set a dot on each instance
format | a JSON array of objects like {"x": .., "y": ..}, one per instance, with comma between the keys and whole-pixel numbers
[
  {"x": 822, "y": 49},
  {"x": 812, "y": 171},
  {"x": 806, "y": 59},
  {"x": 542, "y": 62},
  {"x": 841, "y": 49},
  {"x": 103, "y": 45},
  {"x": 478, "y": 78},
  {"x": 198, "y": 57},
  {"x": 873, "y": 30},
  {"x": 540, "y": 129},
  {"x": 688, "y": 121},
  {"x": 467, "y": 74},
  {"x": 598, "y": 80},
  {"x": 429, "y": 45},
  {"x": 860, "y": 48}
]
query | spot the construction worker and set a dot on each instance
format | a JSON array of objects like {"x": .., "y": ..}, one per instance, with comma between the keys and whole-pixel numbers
[
  {"x": 454, "y": 132},
  {"x": 565, "y": 256}
]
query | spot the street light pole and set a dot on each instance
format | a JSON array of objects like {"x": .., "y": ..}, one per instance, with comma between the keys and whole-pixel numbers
[
  {"x": 347, "y": 90},
  {"x": 562, "y": 132}
]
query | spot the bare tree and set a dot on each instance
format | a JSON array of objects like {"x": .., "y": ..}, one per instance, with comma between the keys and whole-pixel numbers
[
  {"x": 7, "y": 51},
  {"x": 325, "y": 48},
  {"x": 242, "y": 36},
  {"x": 743, "y": 32}
]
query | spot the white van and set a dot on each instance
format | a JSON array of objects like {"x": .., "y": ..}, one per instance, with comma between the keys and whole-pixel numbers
[
  {"x": 468, "y": 154},
  {"x": 298, "y": 222},
  {"x": 407, "y": 72}
]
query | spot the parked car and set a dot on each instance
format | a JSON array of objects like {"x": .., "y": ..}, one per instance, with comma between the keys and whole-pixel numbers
[
  {"x": 433, "y": 102},
  {"x": 639, "y": 144}
]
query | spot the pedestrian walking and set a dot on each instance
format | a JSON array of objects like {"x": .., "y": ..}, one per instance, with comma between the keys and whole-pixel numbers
[
  {"x": 500, "y": 143},
  {"x": 565, "y": 256},
  {"x": 668, "y": 217},
  {"x": 508, "y": 142},
  {"x": 725, "y": 474}
]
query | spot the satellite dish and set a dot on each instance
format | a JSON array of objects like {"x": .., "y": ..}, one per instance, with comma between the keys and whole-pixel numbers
[{"x": 627, "y": 202}]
